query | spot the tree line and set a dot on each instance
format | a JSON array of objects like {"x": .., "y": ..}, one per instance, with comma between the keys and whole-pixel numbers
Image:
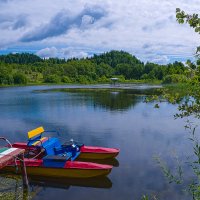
[{"x": 28, "y": 68}]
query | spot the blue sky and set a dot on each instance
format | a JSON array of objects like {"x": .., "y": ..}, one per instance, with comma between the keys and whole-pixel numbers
[{"x": 80, "y": 28}]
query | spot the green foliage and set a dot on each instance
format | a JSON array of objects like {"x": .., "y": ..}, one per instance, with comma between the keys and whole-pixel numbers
[
  {"x": 52, "y": 79},
  {"x": 24, "y": 58},
  {"x": 113, "y": 58},
  {"x": 83, "y": 79},
  {"x": 192, "y": 19},
  {"x": 99, "y": 68},
  {"x": 194, "y": 187},
  {"x": 66, "y": 79},
  {"x": 6, "y": 79},
  {"x": 146, "y": 197},
  {"x": 121, "y": 78},
  {"x": 125, "y": 69},
  {"x": 103, "y": 79},
  {"x": 176, "y": 177},
  {"x": 145, "y": 77},
  {"x": 20, "y": 78},
  {"x": 187, "y": 96},
  {"x": 104, "y": 70},
  {"x": 175, "y": 78}
]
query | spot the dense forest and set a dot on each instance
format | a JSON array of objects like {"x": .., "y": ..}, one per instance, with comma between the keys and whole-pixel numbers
[{"x": 30, "y": 69}]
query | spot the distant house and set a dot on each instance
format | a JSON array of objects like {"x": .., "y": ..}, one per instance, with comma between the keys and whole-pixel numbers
[{"x": 114, "y": 80}]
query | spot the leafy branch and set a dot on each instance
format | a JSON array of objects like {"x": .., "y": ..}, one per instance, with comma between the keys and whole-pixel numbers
[{"x": 192, "y": 19}]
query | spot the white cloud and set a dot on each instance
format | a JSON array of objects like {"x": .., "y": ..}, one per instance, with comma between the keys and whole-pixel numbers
[
  {"x": 62, "y": 53},
  {"x": 145, "y": 28},
  {"x": 47, "y": 52},
  {"x": 70, "y": 53},
  {"x": 159, "y": 59}
]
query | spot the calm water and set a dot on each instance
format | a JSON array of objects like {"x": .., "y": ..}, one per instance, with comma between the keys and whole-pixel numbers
[{"x": 110, "y": 117}]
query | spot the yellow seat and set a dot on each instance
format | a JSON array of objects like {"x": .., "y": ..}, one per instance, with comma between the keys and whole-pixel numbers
[
  {"x": 41, "y": 141},
  {"x": 35, "y": 137},
  {"x": 36, "y": 132}
]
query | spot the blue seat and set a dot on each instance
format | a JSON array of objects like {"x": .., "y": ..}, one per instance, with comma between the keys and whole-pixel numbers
[{"x": 50, "y": 145}]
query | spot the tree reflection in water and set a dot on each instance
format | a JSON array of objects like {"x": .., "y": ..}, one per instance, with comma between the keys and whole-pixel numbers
[{"x": 113, "y": 99}]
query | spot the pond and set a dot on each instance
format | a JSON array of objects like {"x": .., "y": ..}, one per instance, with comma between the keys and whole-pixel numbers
[{"x": 101, "y": 115}]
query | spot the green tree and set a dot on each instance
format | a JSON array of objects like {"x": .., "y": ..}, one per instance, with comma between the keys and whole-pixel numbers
[
  {"x": 52, "y": 78},
  {"x": 20, "y": 78},
  {"x": 91, "y": 70},
  {"x": 66, "y": 79},
  {"x": 23, "y": 58},
  {"x": 104, "y": 70},
  {"x": 175, "y": 78},
  {"x": 124, "y": 69}
]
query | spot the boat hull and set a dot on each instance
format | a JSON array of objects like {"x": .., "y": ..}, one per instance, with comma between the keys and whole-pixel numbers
[
  {"x": 60, "y": 172},
  {"x": 70, "y": 169},
  {"x": 95, "y": 153},
  {"x": 97, "y": 156}
]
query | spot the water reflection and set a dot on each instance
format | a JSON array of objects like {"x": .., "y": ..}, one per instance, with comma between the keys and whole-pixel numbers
[
  {"x": 112, "y": 99},
  {"x": 11, "y": 185},
  {"x": 101, "y": 182}
]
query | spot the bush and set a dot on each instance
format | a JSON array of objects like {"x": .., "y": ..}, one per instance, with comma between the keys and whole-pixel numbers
[
  {"x": 144, "y": 77},
  {"x": 52, "y": 79},
  {"x": 20, "y": 78},
  {"x": 83, "y": 79},
  {"x": 66, "y": 79},
  {"x": 103, "y": 79},
  {"x": 175, "y": 78},
  {"x": 6, "y": 79}
]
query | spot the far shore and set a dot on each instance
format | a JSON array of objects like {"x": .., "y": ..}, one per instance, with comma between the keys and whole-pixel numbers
[{"x": 148, "y": 82}]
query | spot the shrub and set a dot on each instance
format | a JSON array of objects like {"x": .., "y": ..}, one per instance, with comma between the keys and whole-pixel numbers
[
  {"x": 6, "y": 79},
  {"x": 103, "y": 79},
  {"x": 20, "y": 78},
  {"x": 144, "y": 77},
  {"x": 52, "y": 79},
  {"x": 83, "y": 79},
  {"x": 175, "y": 78},
  {"x": 66, "y": 79}
]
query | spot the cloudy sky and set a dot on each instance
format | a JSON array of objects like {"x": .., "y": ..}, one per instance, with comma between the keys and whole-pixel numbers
[{"x": 80, "y": 28}]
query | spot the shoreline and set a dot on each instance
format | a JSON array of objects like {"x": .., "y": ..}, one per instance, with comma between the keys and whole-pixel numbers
[{"x": 75, "y": 83}]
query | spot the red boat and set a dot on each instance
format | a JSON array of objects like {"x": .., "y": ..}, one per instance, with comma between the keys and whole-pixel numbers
[
  {"x": 86, "y": 152},
  {"x": 36, "y": 141}
]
